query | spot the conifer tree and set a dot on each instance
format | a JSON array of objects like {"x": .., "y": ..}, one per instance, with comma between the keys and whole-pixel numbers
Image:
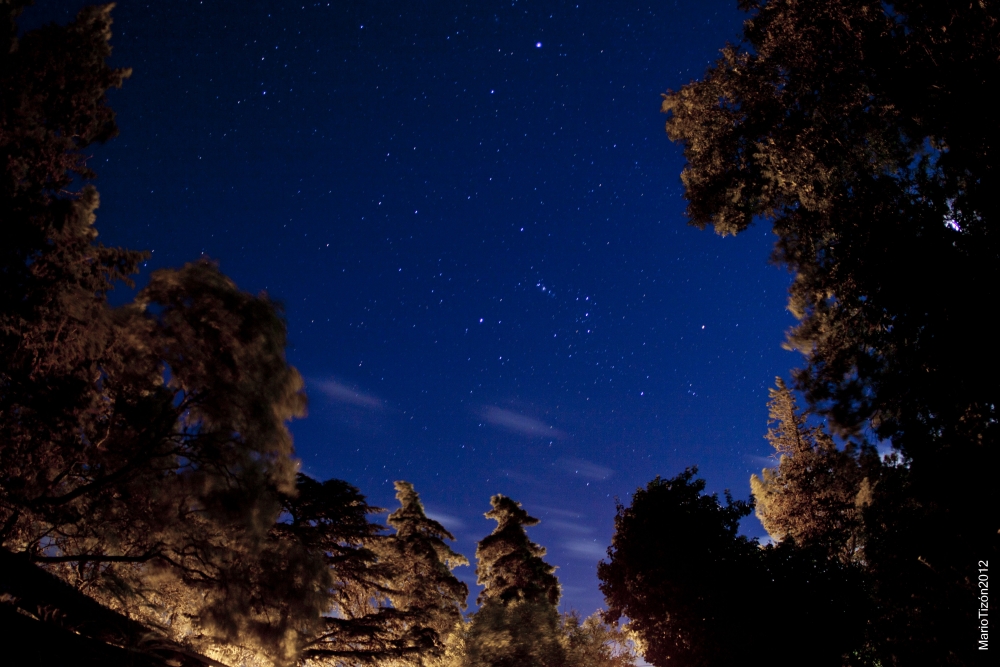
[
  {"x": 509, "y": 564},
  {"x": 517, "y": 624},
  {"x": 817, "y": 492},
  {"x": 423, "y": 587}
]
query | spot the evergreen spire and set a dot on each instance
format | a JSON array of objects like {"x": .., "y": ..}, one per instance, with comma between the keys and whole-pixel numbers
[{"x": 510, "y": 565}]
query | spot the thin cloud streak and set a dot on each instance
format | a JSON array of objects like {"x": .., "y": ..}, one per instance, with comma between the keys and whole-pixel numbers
[
  {"x": 342, "y": 393},
  {"x": 584, "y": 468},
  {"x": 518, "y": 423},
  {"x": 586, "y": 549},
  {"x": 452, "y": 523}
]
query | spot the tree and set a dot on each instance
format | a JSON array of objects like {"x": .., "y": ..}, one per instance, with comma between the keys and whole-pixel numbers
[
  {"x": 509, "y": 564},
  {"x": 517, "y": 624},
  {"x": 696, "y": 593},
  {"x": 135, "y": 441},
  {"x": 680, "y": 573},
  {"x": 358, "y": 624},
  {"x": 144, "y": 453},
  {"x": 817, "y": 492},
  {"x": 421, "y": 562},
  {"x": 854, "y": 129},
  {"x": 593, "y": 643}
]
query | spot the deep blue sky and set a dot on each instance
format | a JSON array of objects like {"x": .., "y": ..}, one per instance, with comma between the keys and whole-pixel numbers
[{"x": 474, "y": 219}]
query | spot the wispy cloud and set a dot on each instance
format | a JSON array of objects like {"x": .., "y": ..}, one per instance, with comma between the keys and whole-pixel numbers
[
  {"x": 518, "y": 423},
  {"x": 342, "y": 393},
  {"x": 589, "y": 549},
  {"x": 584, "y": 468},
  {"x": 761, "y": 461},
  {"x": 452, "y": 523}
]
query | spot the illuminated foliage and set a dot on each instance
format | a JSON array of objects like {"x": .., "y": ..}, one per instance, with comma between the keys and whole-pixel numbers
[
  {"x": 518, "y": 623},
  {"x": 817, "y": 492},
  {"x": 144, "y": 453},
  {"x": 593, "y": 643},
  {"x": 509, "y": 564},
  {"x": 394, "y": 599}
]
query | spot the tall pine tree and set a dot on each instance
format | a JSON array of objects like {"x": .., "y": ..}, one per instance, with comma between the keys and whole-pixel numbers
[
  {"x": 423, "y": 587},
  {"x": 517, "y": 624},
  {"x": 817, "y": 492}
]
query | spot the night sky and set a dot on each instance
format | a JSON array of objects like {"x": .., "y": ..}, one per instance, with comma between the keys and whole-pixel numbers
[{"x": 473, "y": 218}]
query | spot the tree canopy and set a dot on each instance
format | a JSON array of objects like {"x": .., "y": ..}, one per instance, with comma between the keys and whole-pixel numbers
[
  {"x": 145, "y": 458},
  {"x": 857, "y": 130},
  {"x": 517, "y": 624},
  {"x": 696, "y": 593}
]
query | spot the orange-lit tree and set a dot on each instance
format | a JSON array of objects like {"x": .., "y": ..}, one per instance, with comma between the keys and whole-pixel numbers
[
  {"x": 517, "y": 623},
  {"x": 144, "y": 455}
]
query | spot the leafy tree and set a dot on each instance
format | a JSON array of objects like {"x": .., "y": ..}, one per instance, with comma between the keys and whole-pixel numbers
[
  {"x": 855, "y": 128},
  {"x": 697, "y": 593},
  {"x": 518, "y": 623},
  {"x": 680, "y": 573},
  {"x": 140, "y": 442}
]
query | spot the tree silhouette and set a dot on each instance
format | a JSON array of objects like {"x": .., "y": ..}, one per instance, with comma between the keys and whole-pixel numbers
[
  {"x": 855, "y": 129},
  {"x": 696, "y": 593}
]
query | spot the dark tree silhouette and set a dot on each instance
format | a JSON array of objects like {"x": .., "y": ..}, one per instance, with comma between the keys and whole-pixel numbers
[
  {"x": 698, "y": 594},
  {"x": 858, "y": 130}
]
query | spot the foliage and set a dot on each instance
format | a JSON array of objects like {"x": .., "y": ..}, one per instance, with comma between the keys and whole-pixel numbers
[
  {"x": 144, "y": 453},
  {"x": 697, "y": 593},
  {"x": 421, "y": 561},
  {"x": 856, "y": 129},
  {"x": 593, "y": 643},
  {"x": 518, "y": 633},
  {"x": 518, "y": 623},
  {"x": 817, "y": 492},
  {"x": 395, "y": 598},
  {"x": 140, "y": 443},
  {"x": 678, "y": 570},
  {"x": 510, "y": 565}
]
